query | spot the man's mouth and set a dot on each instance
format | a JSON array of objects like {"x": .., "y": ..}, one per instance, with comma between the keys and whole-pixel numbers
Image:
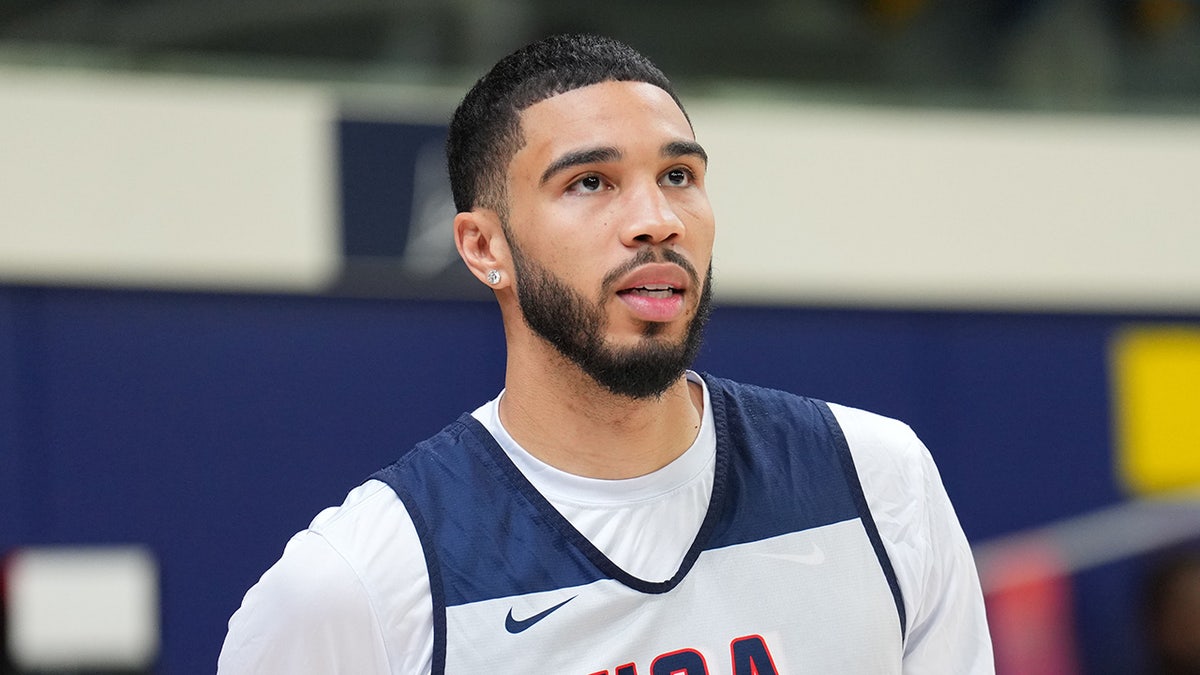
[
  {"x": 651, "y": 291},
  {"x": 654, "y": 302}
]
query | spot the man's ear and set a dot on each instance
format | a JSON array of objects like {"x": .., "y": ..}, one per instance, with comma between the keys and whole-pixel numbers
[{"x": 482, "y": 245}]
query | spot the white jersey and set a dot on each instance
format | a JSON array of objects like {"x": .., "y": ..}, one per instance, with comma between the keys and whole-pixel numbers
[{"x": 352, "y": 594}]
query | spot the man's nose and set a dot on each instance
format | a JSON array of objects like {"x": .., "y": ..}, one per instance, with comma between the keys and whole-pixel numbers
[{"x": 650, "y": 218}]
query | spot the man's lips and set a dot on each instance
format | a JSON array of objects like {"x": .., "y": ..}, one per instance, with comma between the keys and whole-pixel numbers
[
  {"x": 656, "y": 279},
  {"x": 654, "y": 292},
  {"x": 651, "y": 290}
]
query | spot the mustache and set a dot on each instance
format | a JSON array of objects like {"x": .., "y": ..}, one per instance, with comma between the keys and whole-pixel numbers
[{"x": 646, "y": 256}]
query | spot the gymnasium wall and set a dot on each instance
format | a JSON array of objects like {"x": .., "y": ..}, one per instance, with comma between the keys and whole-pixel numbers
[
  {"x": 241, "y": 184},
  {"x": 226, "y": 303}
]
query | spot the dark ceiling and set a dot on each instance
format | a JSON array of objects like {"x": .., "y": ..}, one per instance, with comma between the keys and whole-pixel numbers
[{"x": 1096, "y": 51}]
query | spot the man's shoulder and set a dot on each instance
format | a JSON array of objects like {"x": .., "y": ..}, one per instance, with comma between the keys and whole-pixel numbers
[
  {"x": 435, "y": 449},
  {"x": 372, "y": 512},
  {"x": 863, "y": 429},
  {"x": 371, "y": 501},
  {"x": 891, "y": 460},
  {"x": 759, "y": 393},
  {"x": 370, "y": 524},
  {"x": 357, "y": 567},
  {"x": 744, "y": 393},
  {"x": 866, "y": 427}
]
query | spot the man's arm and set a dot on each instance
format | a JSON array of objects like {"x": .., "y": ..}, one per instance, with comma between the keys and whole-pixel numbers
[
  {"x": 308, "y": 614},
  {"x": 947, "y": 631},
  {"x": 350, "y": 595}
]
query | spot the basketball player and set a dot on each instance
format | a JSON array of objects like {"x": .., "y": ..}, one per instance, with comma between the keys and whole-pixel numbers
[{"x": 611, "y": 512}]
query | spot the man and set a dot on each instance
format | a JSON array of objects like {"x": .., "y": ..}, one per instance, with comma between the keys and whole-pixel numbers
[{"x": 611, "y": 512}]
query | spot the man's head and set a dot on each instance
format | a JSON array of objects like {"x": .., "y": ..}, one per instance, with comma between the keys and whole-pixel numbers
[
  {"x": 485, "y": 131},
  {"x": 580, "y": 190}
]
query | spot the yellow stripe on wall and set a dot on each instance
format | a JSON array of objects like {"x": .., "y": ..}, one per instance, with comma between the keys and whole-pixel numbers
[{"x": 1156, "y": 380}]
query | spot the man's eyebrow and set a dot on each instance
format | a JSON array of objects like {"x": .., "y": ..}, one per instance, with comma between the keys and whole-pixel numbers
[
  {"x": 684, "y": 148},
  {"x": 578, "y": 157}
]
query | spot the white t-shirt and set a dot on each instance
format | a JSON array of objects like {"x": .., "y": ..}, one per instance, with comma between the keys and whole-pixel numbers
[{"x": 351, "y": 593}]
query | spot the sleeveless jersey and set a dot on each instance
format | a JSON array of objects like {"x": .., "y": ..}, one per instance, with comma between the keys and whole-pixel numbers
[{"x": 787, "y": 573}]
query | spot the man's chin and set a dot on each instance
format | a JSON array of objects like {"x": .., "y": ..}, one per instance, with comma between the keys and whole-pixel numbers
[
  {"x": 643, "y": 370},
  {"x": 631, "y": 333},
  {"x": 651, "y": 339}
]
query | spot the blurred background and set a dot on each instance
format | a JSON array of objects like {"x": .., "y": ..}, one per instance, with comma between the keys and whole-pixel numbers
[{"x": 228, "y": 291}]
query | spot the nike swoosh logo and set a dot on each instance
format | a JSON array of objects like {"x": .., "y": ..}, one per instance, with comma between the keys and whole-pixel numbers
[{"x": 515, "y": 626}]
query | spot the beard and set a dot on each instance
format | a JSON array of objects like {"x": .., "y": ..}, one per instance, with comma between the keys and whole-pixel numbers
[{"x": 575, "y": 326}]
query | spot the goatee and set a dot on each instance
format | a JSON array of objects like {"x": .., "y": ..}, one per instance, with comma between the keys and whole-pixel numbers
[{"x": 576, "y": 326}]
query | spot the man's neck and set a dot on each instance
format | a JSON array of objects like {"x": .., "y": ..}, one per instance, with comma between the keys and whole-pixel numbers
[{"x": 566, "y": 419}]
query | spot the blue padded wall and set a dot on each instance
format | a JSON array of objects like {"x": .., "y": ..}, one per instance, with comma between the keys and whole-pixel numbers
[{"x": 211, "y": 427}]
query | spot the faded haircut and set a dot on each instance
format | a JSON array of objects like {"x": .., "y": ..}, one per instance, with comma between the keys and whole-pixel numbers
[{"x": 485, "y": 131}]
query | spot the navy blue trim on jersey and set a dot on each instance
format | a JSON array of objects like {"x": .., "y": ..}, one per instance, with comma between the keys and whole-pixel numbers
[
  {"x": 581, "y": 543},
  {"x": 434, "y": 570},
  {"x": 783, "y": 478},
  {"x": 868, "y": 520},
  {"x": 825, "y": 484},
  {"x": 478, "y": 516},
  {"x": 782, "y": 466}
]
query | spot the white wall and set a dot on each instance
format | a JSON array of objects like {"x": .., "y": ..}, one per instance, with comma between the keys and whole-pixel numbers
[
  {"x": 232, "y": 184},
  {"x": 933, "y": 208},
  {"x": 184, "y": 183}
]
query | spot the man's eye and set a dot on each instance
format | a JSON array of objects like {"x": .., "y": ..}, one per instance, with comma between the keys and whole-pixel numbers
[
  {"x": 678, "y": 178},
  {"x": 588, "y": 184}
]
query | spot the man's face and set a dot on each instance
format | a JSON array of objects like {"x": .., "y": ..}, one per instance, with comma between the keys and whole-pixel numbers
[{"x": 611, "y": 233}]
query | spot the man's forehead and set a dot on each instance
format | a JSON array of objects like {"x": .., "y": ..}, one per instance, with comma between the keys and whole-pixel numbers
[{"x": 595, "y": 114}]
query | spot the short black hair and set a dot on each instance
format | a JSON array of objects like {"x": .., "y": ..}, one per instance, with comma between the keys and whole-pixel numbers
[{"x": 485, "y": 131}]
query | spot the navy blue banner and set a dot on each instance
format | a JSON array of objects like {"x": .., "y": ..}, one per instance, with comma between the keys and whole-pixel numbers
[{"x": 397, "y": 213}]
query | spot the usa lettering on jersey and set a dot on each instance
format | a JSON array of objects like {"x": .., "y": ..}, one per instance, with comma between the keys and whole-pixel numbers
[{"x": 749, "y": 656}]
